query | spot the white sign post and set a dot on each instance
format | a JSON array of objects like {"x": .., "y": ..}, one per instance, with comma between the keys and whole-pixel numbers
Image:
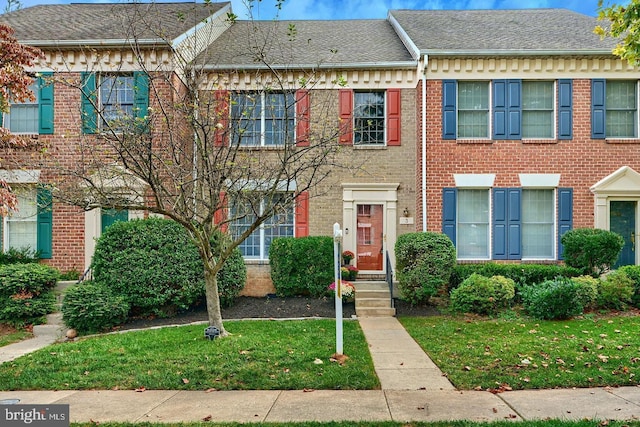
[{"x": 337, "y": 256}]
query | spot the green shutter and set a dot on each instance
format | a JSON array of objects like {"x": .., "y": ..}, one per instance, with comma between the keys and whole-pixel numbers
[
  {"x": 111, "y": 216},
  {"x": 89, "y": 102},
  {"x": 45, "y": 87},
  {"x": 45, "y": 223},
  {"x": 141, "y": 100}
]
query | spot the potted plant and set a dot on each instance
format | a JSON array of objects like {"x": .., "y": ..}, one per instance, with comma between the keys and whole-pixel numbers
[
  {"x": 347, "y": 256},
  {"x": 349, "y": 272},
  {"x": 347, "y": 289}
]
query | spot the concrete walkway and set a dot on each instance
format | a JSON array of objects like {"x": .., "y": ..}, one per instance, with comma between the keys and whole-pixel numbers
[{"x": 413, "y": 389}]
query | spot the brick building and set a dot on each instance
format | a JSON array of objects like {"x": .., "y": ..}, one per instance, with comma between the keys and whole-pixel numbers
[{"x": 502, "y": 129}]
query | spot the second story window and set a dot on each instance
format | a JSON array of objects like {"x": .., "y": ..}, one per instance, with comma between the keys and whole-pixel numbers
[
  {"x": 263, "y": 119},
  {"x": 116, "y": 98},
  {"x": 23, "y": 117},
  {"x": 473, "y": 109},
  {"x": 369, "y": 118},
  {"x": 537, "y": 109},
  {"x": 621, "y": 109}
]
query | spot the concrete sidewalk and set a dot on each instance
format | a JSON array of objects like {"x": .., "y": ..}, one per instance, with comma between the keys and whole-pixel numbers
[{"x": 413, "y": 389}]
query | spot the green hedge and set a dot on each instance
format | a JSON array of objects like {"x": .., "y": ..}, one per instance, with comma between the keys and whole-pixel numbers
[
  {"x": 615, "y": 291},
  {"x": 91, "y": 308},
  {"x": 553, "y": 299},
  {"x": 424, "y": 263},
  {"x": 156, "y": 267},
  {"x": 302, "y": 266},
  {"x": 26, "y": 293},
  {"x": 591, "y": 250},
  {"x": 482, "y": 295},
  {"x": 633, "y": 272}
]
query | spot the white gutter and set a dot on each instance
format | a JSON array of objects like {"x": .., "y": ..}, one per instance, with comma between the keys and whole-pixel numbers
[
  {"x": 510, "y": 52},
  {"x": 423, "y": 172},
  {"x": 103, "y": 43},
  {"x": 343, "y": 65}
]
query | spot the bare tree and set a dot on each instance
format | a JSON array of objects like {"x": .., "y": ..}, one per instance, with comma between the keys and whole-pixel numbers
[{"x": 194, "y": 154}]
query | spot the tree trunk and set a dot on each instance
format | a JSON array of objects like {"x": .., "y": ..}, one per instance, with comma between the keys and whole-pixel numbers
[{"x": 213, "y": 301}]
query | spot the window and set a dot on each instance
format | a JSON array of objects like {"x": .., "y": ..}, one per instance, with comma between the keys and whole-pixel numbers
[
  {"x": 256, "y": 246},
  {"x": 263, "y": 119},
  {"x": 621, "y": 109},
  {"x": 473, "y": 224},
  {"x": 22, "y": 224},
  {"x": 473, "y": 110},
  {"x": 537, "y": 109},
  {"x": 33, "y": 116},
  {"x": 507, "y": 109},
  {"x": 507, "y": 223},
  {"x": 369, "y": 118},
  {"x": 116, "y": 98}
]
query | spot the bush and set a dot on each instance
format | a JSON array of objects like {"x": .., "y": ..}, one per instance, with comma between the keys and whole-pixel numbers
[
  {"x": 26, "y": 293},
  {"x": 591, "y": 250},
  {"x": 19, "y": 256},
  {"x": 633, "y": 271},
  {"x": 553, "y": 299},
  {"x": 521, "y": 274},
  {"x": 156, "y": 267},
  {"x": 90, "y": 308},
  {"x": 302, "y": 266},
  {"x": 616, "y": 290},
  {"x": 424, "y": 263},
  {"x": 587, "y": 290},
  {"x": 482, "y": 295}
]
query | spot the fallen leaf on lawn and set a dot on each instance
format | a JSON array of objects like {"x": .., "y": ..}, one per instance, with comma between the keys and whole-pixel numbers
[
  {"x": 467, "y": 368},
  {"x": 207, "y": 418},
  {"x": 209, "y": 390},
  {"x": 185, "y": 381},
  {"x": 308, "y": 390},
  {"x": 318, "y": 361},
  {"x": 116, "y": 388},
  {"x": 340, "y": 358},
  {"x": 559, "y": 361},
  {"x": 603, "y": 358},
  {"x": 286, "y": 370},
  {"x": 512, "y": 416},
  {"x": 603, "y": 335},
  {"x": 495, "y": 411},
  {"x": 140, "y": 389},
  {"x": 526, "y": 379},
  {"x": 244, "y": 351}
]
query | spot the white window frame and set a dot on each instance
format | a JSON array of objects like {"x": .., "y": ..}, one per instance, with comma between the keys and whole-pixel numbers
[
  {"x": 288, "y": 104},
  {"x": 488, "y": 194},
  {"x": 383, "y": 143},
  {"x": 636, "y": 120},
  {"x": 35, "y": 89},
  {"x": 554, "y": 110},
  {"x": 489, "y": 110},
  {"x": 554, "y": 227},
  {"x": 15, "y": 217},
  {"x": 121, "y": 113}
]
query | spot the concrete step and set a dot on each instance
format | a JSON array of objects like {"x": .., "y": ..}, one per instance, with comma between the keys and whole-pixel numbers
[
  {"x": 372, "y": 302},
  {"x": 374, "y": 293},
  {"x": 375, "y": 312}
]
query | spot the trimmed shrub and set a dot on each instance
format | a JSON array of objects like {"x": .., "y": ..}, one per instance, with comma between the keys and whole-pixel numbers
[
  {"x": 591, "y": 250},
  {"x": 26, "y": 293},
  {"x": 302, "y": 266},
  {"x": 90, "y": 308},
  {"x": 633, "y": 271},
  {"x": 19, "y": 256},
  {"x": 552, "y": 299},
  {"x": 521, "y": 274},
  {"x": 156, "y": 267},
  {"x": 482, "y": 295},
  {"x": 587, "y": 290},
  {"x": 424, "y": 263},
  {"x": 615, "y": 291}
]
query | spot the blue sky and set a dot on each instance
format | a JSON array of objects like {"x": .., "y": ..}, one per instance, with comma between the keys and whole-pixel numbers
[{"x": 353, "y": 9}]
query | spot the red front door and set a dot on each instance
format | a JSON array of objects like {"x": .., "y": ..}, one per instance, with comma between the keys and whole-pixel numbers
[{"x": 370, "y": 235}]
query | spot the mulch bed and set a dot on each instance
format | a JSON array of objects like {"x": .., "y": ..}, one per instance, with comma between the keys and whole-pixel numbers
[{"x": 272, "y": 307}]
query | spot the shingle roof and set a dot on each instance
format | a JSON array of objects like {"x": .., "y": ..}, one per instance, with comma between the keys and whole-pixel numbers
[
  {"x": 501, "y": 30},
  {"x": 315, "y": 43},
  {"x": 81, "y": 22}
]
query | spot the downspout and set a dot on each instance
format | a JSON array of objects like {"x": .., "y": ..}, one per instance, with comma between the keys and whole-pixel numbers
[{"x": 423, "y": 150}]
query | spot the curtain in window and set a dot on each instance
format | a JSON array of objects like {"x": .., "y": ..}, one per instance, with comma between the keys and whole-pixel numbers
[
  {"x": 537, "y": 224},
  {"x": 22, "y": 225},
  {"x": 537, "y": 109},
  {"x": 621, "y": 109},
  {"x": 473, "y": 224},
  {"x": 23, "y": 116},
  {"x": 473, "y": 110}
]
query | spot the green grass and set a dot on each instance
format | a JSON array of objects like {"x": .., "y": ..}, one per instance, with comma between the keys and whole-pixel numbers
[
  {"x": 531, "y": 354},
  {"x": 260, "y": 355},
  {"x": 13, "y": 337},
  {"x": 545, "y": 423}
]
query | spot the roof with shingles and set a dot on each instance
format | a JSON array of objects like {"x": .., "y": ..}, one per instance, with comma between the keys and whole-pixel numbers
[
  {"x": 501, "y": 30},
  {"x": 103, "y": 22},
  {"x": 307, "y": 43}
]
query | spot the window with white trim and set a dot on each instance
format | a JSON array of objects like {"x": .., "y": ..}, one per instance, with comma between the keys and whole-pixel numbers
[
  {"x": 263, "y": 119},
  {"x": 621, "y": 109},
  {"x": 116, "y": 97},
  {"x": 538, "y": 223},
  {"x": 473, "y": 109},
  {"x": 369, "y": 118},
  {"x": 473, "y": 224},
  {"x": 24, "y": 117},
  {"x": 21, "y": 225},
  {"x": 538, "y": 109}
]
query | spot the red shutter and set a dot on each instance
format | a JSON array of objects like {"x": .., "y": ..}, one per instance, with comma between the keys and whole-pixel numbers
[
  {"x": 222, "y": 117},
  {"x": 302, "y": 214},
  {"x": 302, "y": 118},
  {"x": 220, "y": 216},
  {"x": 394, "y": 107},
  {"x": 345, "y": 106}
]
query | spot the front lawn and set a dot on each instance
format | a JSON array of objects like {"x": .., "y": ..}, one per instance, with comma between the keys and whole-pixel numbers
[
  {"x": 531, "y": 354},
  {"x": 260, "y": 355}
]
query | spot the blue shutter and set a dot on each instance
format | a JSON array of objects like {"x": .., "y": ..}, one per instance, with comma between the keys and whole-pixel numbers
[
  {"x": 89, "y": 101},
  {"x": 449, "y": 103},
  {"x": 449, "y": 204},
  {"x": 507, "y": 109},
  {"x": 565, "y": 215},
  {"x": 499, "y": 109},
  {"x": 565, "y": 109},
  {"x": 598, "y": 105},
  {"x": 507, "y": 223},
  {"x": 45, "y": 223},
  {"x": 45, "y": 120}
]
